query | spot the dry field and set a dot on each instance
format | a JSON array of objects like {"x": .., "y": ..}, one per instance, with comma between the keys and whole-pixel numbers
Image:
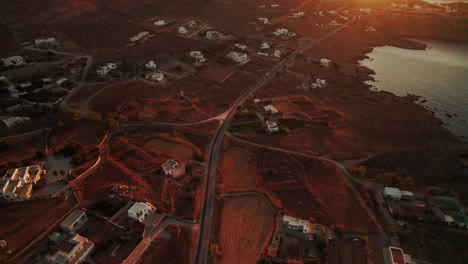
[
  {"x": 22, "y": 148},
  {"x": 74, "y": 132},
  {"x": 170, "y": 148},
  {"x": 96, "y": 186},
  {"x": 8, "y": 42},
  {"x": 237, "y": 173},
  {"x": 310, "y": 189},
  {"x": 22, "y": 222},
  {"x": 247, "y": 224},
  {"x": 173, "y": 246},
  {"x": 85, "y": 92}
]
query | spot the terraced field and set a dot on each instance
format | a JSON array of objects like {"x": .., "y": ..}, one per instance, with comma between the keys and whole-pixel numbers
[{"x": 246, "y": 226}]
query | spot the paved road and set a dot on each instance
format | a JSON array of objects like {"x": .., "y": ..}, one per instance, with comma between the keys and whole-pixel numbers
[{"x": 203, "y": 240}]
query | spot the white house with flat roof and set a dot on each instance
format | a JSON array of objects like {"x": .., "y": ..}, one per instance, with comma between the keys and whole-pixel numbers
[
  {"x": 160, "y": 23},
  {"x": 325, "y": 62},
  {"x": 281, "y": 32},
  {"x": 170, "y": 166},
  {"x": 155, "y": 76},
  {"x": 271, "y": 126},
  {"x": 70, "y": 249},
  {"x": 14, "y": 120},
  {"x": 192, "y": 24},
  {"x": 263, "y": 20},
  {"x": 296, "y": 224},
  {"x": 48, "y": 41},
  {"x": 140, "y": 210},
  {"x": 104, "y": 70},
  {"x": 13, "y": 61},
  {"x": 237, "y": 56},
  {"x": 150, "y": 65},
  {"x": 264, "y": 46},
  {"x": 182, "y": 30},
  {"x": 393, "y": 193},
  {"x": 271, "y": 109},
  {"x": 212, "y": 34},
  {"x": 198, "y": 56},
  {"x": 74, "y": 221},
  {"x": 17, "y": 183}
]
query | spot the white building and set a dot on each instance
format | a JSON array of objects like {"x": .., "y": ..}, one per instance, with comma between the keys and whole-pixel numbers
[
  {"x": 332, "y": 12},
  {"x": 393, "y": 193},
  {"x": 17, "y": 183},
  {"x": 198, "y": 56},
  {"x": 74, "y": 249},
  {"x": 264, "y": 46},
  {"x": 271, "y": 109},
  {"x": 150, "y": 65},
  {"x": 298, "y": 14},
  {"x": 365, "y": 10},
  {"x": 334, "y": 23},
  {"x": 192, "y": 24},
  {"x": 139, "y": 36},
  {"x": 319, "y": 83},
  {"x": 48, "y": 41},
  {"x": 281, "y": 32},
  {"x": 14, "y": 120},
  {"x": 155, "y": 76},
  {"x": 237, "y": 56},
  {"x": 13, "y": 61},
  {"x": 296, "y": 224},
  {"x": 277, "y": 53},
  {"x": 182, "y": 30},
  {"x": 104, "y": 70},
  {"x": 212, "y": 34},
  {"x": 160, "y": 23},
  {"x": 325, "y": 62},
  {"x": 263, "y": 54},
  {"x": 272, "y": 126},
  {"x": 274, "y": 5},
  {"x": 263, "y": 20},
  {"x": 74, "y": 221},
  {"x": 169, "y": 167},
  {"x": 240, "y": 46},
  {"x": 140, "y": 210}
]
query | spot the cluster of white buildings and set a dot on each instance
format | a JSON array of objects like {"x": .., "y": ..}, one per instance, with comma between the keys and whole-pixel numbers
[
  {"x": 104, "y": 70},
  {"x": 70, "y": 247},
  {"x": 139, "y": 36},
  {"x": 198, "y": 56},
  {"x": 17, "y": 183},
  {"x": 46, "y": 41},
  {"x": 237, "y": 56},
  {"x": 13, "y": 61}
]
